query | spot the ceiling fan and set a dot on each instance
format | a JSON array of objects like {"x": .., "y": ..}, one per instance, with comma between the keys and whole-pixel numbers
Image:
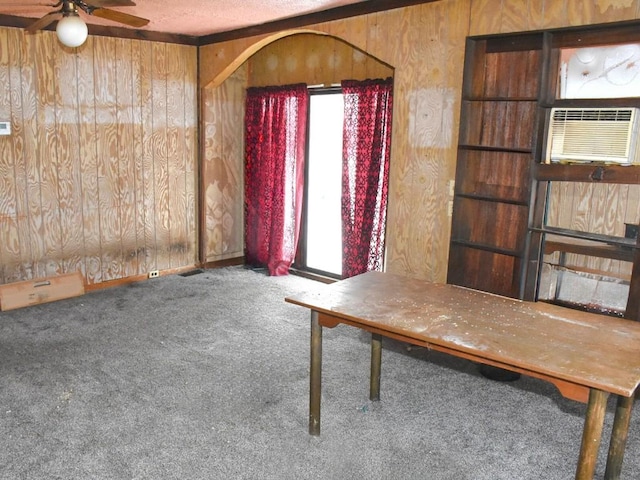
[{"x": 71, "y": 30}]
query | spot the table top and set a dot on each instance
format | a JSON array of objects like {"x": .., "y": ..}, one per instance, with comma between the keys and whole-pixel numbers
[{"x": 588, "y": 349}]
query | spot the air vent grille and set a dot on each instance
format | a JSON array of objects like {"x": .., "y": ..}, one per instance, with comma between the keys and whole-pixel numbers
[{"x": 593, "y": 135}]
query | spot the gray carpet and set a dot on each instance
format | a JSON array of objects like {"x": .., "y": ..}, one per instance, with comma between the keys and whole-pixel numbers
[{"x": 206, "y": 377}]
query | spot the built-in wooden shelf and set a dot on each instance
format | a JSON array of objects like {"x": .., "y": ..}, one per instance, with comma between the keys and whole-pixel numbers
[{"x": 487, "y": 248}]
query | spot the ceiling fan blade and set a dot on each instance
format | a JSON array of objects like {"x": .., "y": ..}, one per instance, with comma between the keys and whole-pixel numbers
[
  {"x": 110, "y": 3},
  {"x": 43, "y": 22},
  {"x": 120, "y": 17}
]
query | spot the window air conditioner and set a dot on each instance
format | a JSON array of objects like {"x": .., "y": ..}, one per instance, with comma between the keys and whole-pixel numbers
[{"x": 608, "y": 135}]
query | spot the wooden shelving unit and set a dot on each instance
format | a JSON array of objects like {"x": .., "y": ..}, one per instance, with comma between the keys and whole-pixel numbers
[
  {"x": 495, "y": 156},
  {"x": 500, "y": 199}
]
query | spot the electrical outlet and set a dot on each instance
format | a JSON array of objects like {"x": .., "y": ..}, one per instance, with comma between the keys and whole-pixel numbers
[{"x": 154, "y": 274}]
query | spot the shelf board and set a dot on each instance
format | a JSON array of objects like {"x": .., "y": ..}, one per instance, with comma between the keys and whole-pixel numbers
[
  {"x": 486, "y": 148},
  {"x": 500, "y": 99},
  {"x": 588, "y": 248},
  {"x": 487, "y": 248},
  {"x": 629, "y": 243},
  {"x": 487, "y": 198}
]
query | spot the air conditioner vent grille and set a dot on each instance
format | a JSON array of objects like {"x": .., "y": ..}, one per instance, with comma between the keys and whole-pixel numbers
[{"x": 593, "y": 135}]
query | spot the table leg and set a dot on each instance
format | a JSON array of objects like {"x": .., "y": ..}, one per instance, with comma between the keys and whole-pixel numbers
[
  {"x": 315, "y": 375},
  {"x": 376, "y": 360},
  {"x": 592, "y": 434},
  {"x": 618, "y": 437}
]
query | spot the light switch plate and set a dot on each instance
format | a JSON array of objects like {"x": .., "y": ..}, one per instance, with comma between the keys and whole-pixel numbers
[{"x": 5, "y": 128}]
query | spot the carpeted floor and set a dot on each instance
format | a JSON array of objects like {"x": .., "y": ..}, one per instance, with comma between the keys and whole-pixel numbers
[{"x": 206, "y": 377}]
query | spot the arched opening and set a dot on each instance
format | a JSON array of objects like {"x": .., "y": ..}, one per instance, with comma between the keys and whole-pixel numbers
[{"x": 289, "y": 57}]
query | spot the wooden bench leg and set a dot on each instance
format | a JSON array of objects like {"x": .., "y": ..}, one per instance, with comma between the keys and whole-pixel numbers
[
  {"x": 376, "y": 361},
  {"x": 592, "y": 434},
  {"x": 618, "y": 437},
  {"x": 315, "y": 375}
]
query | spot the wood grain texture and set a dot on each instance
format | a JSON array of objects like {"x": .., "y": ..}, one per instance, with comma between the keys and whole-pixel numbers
[
  {"x": 402, "y": 164},
  {"x": 68, "y": 162},
  {"x": 395, "y": 37},
  {"x": 399, "y": 38},
  {"x": 74, "y": 191},
  {"x": 223, "y": 173},
  {"x": 125, "y": 69},
  {"x": 314, "y": 60},
  {"x": 108, "y": 166},
  {"x": 88, "y": 151},
  {"x": 148, "y": 164},
  {"x": 24, "y": 265}
]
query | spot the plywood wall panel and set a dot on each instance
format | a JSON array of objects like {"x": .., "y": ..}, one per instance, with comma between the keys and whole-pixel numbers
[
  {"x": 514, "y": 15},
  {"x": 402, "y": 163},
  {"x": 314, "y": 60},
  {"x": 179, "y": 244},
  {"x": 223, "y": 176},
  {"x": 147, "y": 215},
  {"x": 108, "y": 166},
  {"x": 160, "y": 155},
  {"x": 555, "y": 13},
  {"x": 125, "y": 69},
  {"x": 7, "y": 178},
  {"x": 190, "y": 151},
  {"x": 24, "y": 265},
  {"x": 427, "y": 135},
  {"x": 88, "y": 155},
  {"x": 48, "y": 157},
  {"x": 485, "y": 16},
  {"x": 31, "y": 155},
  {"x": 535, "y": 14},
  {"x": 233, "y": 219},
  {"x": 473, "y": 17},
  {"x": 78, "y": 187},
  {"x": 68, "y": 162},
  {"x": 632, "y": 208}
]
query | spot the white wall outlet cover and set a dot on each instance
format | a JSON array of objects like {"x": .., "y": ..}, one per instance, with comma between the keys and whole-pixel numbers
[{"x": 5, "y": 128}]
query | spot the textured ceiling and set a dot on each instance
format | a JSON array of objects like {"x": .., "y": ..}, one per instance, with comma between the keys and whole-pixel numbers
[{"x": 190, "y": 17}]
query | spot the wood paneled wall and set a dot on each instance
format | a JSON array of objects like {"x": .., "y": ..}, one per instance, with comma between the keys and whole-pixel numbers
[
  {"x": 314, "y": 60},
  {"x": 99, "y": 172},
  {"x": 223, "y": 167},
  {"x": 425, "y": 44},
  {"x": 598, "y": 208}
]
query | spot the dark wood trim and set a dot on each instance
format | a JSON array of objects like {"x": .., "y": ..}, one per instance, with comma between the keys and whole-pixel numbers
[
  {"x": 600, "y": 34},
  {"x": 312, "y": 276},
  {"x": 514, "y": 42},
  {"x": 103, "y": 31},
  {"x": 346, "y": 11},
  {"x": 593, "y": 173},
  {"x": 135, "y": 278},
  {"x": 632, "y": 310},
  {"x": 627, "y": 31},
  {"x": 229, "y": 262}
]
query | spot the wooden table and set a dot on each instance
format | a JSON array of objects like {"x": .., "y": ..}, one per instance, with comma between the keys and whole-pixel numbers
[{"x": 586, "y": 356}]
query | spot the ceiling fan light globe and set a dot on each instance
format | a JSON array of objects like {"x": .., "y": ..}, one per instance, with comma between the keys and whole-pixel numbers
[{"x": 72, "y": 31}]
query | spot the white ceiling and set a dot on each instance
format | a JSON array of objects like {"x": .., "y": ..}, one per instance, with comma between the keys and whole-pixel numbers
[{"x": 190, "y": 17}]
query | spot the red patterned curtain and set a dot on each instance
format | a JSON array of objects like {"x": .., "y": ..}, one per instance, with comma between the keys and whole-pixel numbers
[
  {"x": 365, "y": 173},
  {"x": 275, "y": 138}
]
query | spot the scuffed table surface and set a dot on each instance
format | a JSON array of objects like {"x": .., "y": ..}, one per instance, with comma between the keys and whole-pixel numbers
[{"x": 587, "y": 349}]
